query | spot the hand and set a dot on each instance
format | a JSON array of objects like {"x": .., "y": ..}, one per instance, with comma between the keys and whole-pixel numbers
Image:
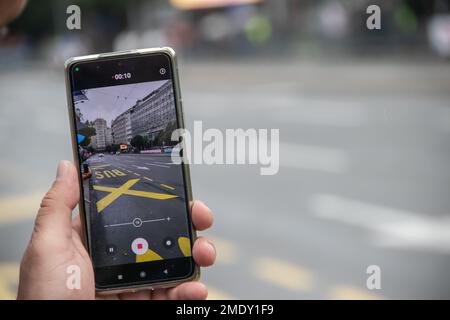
[
  {"x": 9, "y": 10},
  {"x": 56, "y": 244}
]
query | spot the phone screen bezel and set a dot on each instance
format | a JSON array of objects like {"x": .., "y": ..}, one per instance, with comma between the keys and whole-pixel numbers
[{"x": 103, "y": 278}]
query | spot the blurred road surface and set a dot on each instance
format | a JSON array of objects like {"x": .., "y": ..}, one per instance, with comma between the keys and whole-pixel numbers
[{"x": 363, "y": 181}]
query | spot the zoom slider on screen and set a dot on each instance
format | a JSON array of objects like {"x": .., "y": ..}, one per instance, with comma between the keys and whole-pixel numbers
[{"x": 137, "y": 222}]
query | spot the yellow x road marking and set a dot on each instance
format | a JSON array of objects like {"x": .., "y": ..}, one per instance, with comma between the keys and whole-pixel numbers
[{"x": 115, "y": 193}]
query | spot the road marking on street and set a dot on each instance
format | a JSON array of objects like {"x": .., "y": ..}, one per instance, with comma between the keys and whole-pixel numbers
[
  {"x": 316, "y": 158},
  {"x": 136, "y": 174},
  {"x": 392, "y": 227},
  {"x": 157, "y": 165},
  {"x": 9, "y": 278},
  {"x": 109, "y": 174},
  {"x": 185, "y": 246},
  {"x": 216, "y": 294},
  {"x": 283, "y": 274},
  {"x": 115, "y": 193},
  {"x": 17, "y": 208},
  {"x": 226, "y": 251},
  {"x": 165, "y": 163},
  {"x": 102, "y": 166},
  {"x": 150, "y": 255},
  {"x": 141, "y": 168},
  {"x": 345, "y": 292},
  {"x": 152, "y": 195},
  {"x": 147, "y": 178},
  {"x": 166, "y": 186}
]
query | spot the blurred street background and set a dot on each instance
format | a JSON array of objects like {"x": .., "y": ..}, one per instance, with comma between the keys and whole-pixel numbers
[{"x": 364, "y": 120}]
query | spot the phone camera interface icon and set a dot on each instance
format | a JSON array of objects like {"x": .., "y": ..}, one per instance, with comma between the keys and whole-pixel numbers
[
  {"x": 168, "y": 242},
  {"x": 111, "y": 249},
  {"x": 137, "y": 222},
  {"x": 139, "y": 246}
]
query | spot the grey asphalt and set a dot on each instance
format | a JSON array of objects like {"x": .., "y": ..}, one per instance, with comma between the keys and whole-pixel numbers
[
  {"x": 160, "y": 219},
  {"x": 363, "y": 176}
]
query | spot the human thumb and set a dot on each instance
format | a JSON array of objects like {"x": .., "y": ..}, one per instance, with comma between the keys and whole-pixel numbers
[{"x": 55, "y": 214}]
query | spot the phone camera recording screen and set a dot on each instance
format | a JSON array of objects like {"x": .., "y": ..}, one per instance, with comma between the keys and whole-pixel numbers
[{"x": 135, "y": 196}]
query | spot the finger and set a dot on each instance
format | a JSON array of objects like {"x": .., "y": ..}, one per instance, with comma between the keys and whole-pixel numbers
[
  {"x": 202, "y": 217},
  {"x": 159, "y": 294},
  {"x": 76, "y": 224},
  {"x": 54, "y": 215},
  {"x": 107, "y": 297},
  {"x": 139, "y": 295},
  {"x": 188, "y": 291},
  {"x": 9, "y": 10},
  {"x": 204, "y": 252}
]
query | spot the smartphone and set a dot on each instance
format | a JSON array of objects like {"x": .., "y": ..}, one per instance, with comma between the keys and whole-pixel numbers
[{"x": 135, "y": 199}]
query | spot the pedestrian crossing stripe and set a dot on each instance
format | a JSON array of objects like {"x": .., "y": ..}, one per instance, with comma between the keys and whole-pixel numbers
[
  {"x": 115, "y": 193},
  {"x": 185, "y": 246}
]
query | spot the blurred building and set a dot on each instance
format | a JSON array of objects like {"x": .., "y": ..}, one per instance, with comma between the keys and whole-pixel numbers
[
  {"x": 200, "y": 29},
  {"x": 103, "y": 136},
  {"x": 121, "y": 128},
  {"x": 147, "y": 117},
  {"x": 108, "y": 136},
  {"x": 151, "y": 114}
]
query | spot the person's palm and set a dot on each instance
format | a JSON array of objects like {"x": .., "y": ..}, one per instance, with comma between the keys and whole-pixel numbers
[{"x": 56, "y": 251}]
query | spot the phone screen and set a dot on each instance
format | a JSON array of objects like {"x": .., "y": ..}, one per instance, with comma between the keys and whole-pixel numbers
[{"x": 135, "y": 196}]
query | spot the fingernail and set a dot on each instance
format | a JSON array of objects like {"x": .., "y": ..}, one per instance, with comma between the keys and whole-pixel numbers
[
  {"x": 63, "y": 169},
  {"x": 204, "y": 205},
  {"x": 212, "y": 245}
]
